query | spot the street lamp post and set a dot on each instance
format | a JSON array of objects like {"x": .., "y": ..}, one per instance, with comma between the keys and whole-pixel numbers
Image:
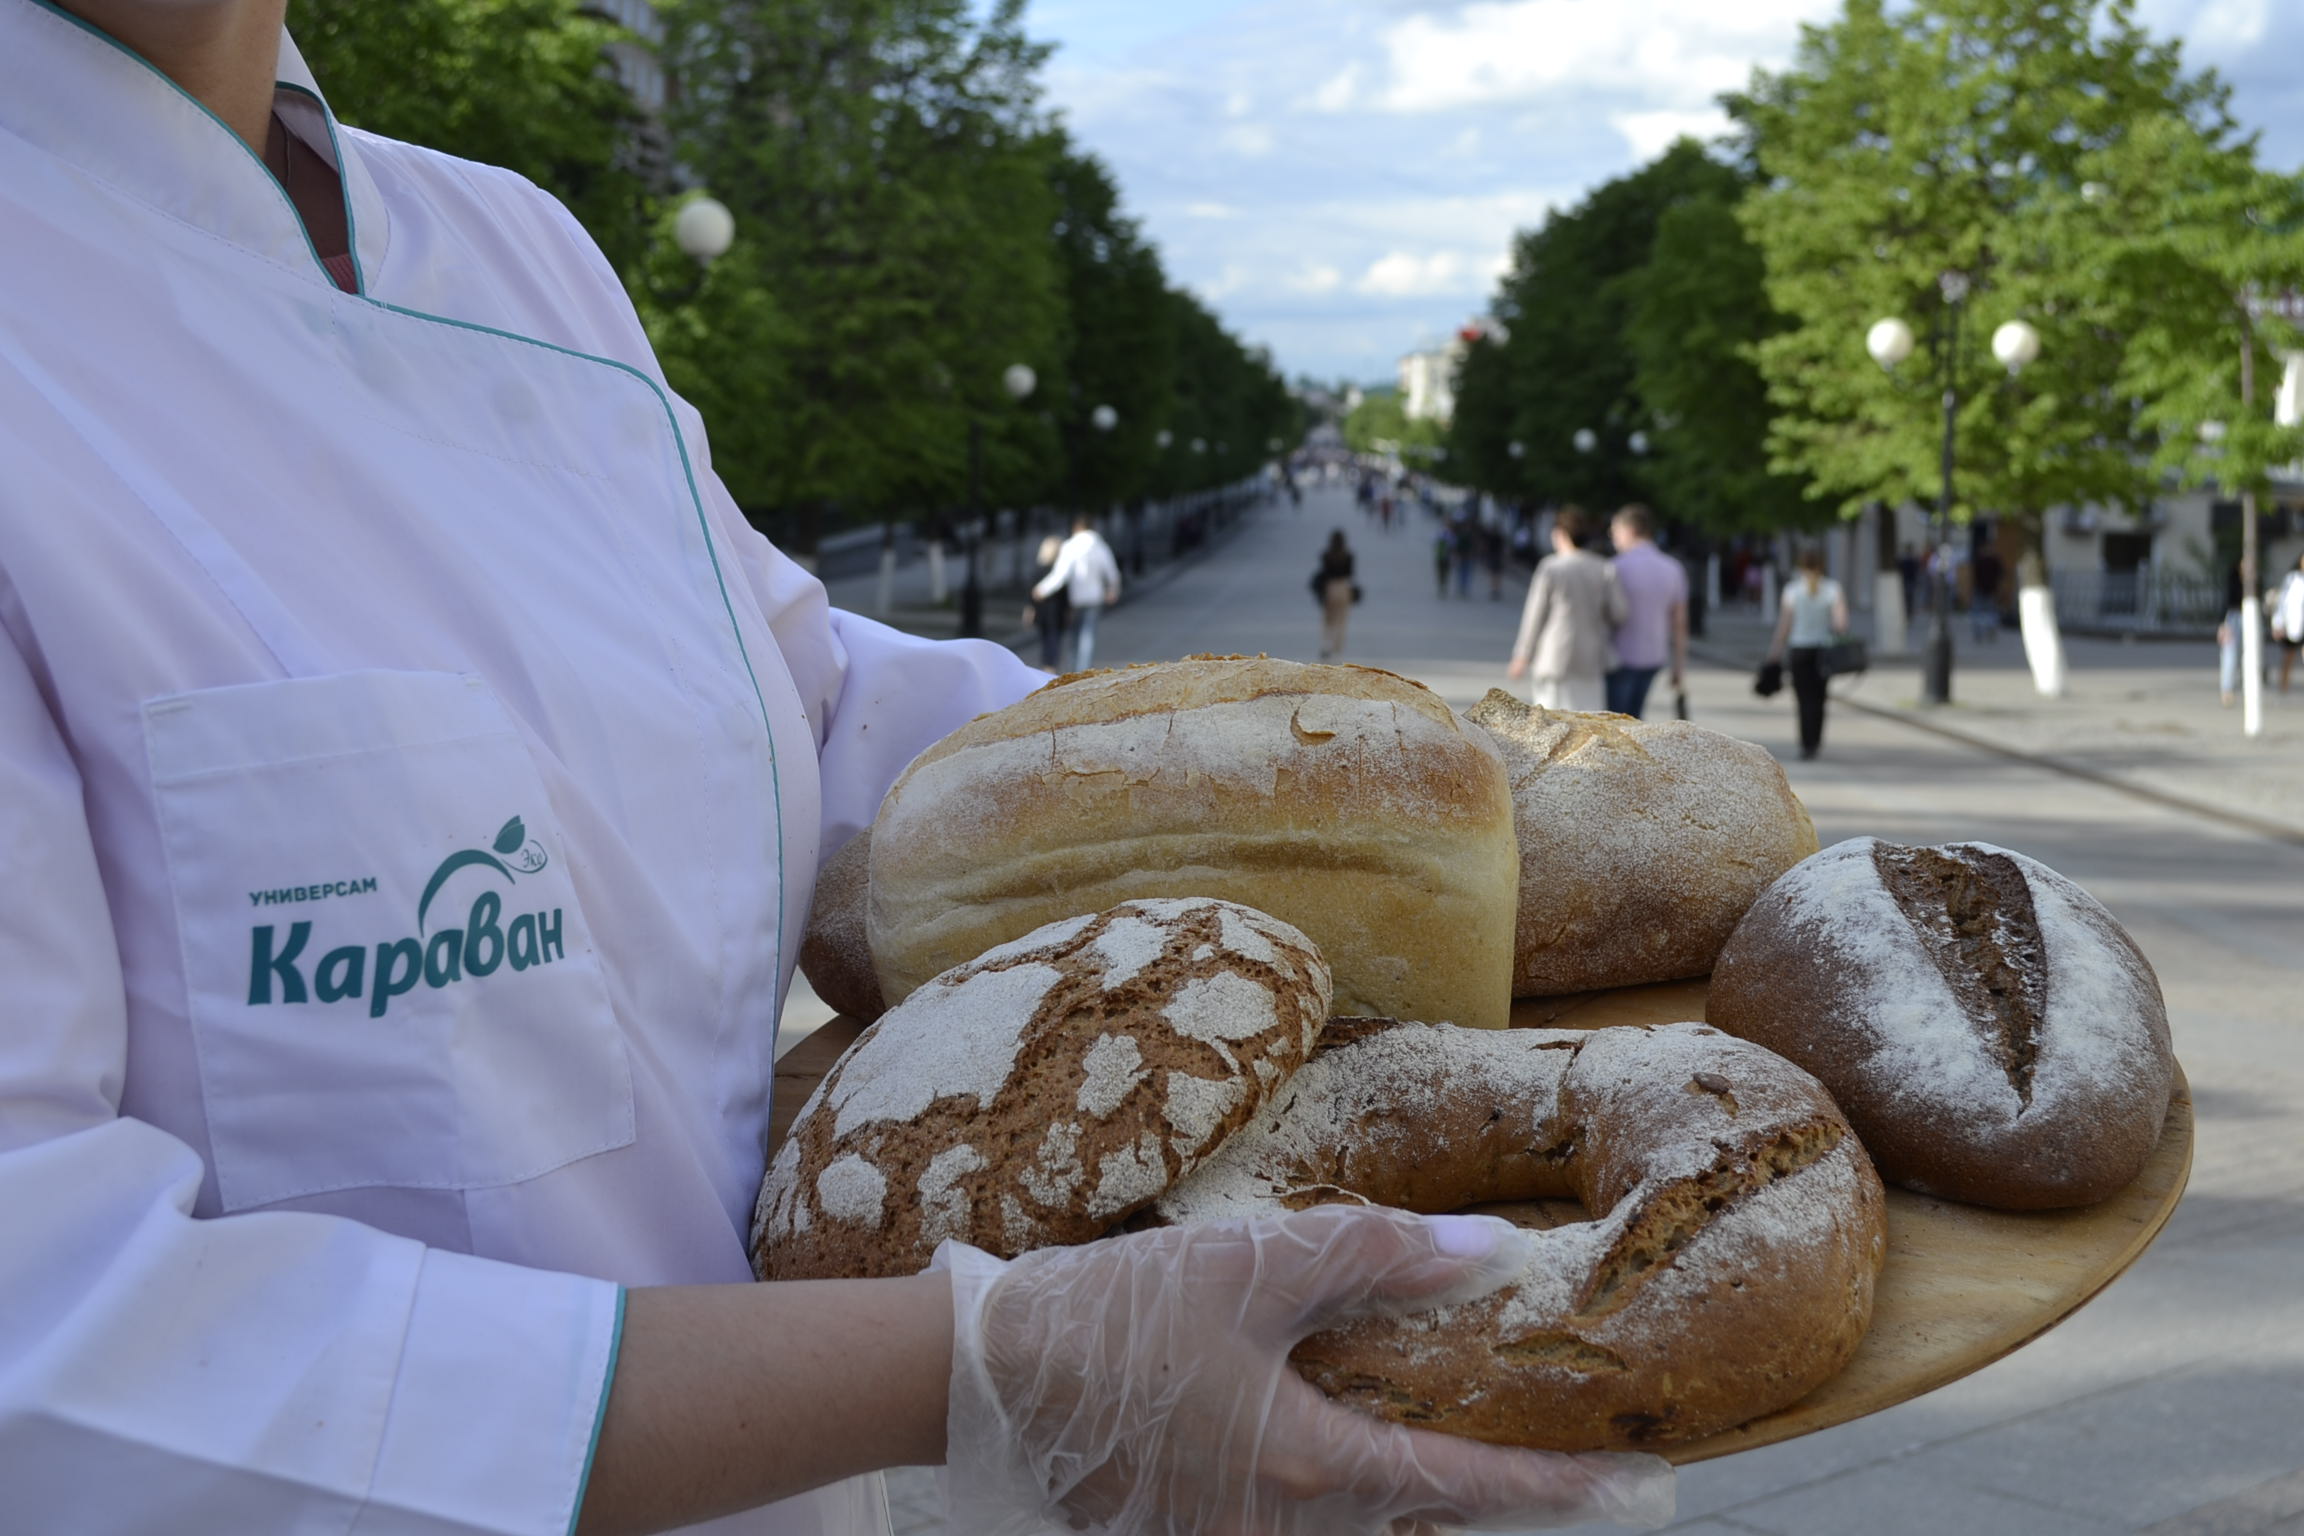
[
  {"x": 1890, "y": 342},
  {"x": 1019, "y": 381}
]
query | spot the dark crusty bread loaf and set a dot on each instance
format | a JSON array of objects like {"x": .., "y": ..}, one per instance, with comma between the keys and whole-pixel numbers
[
  {"x": 1728, "y": 1270},
  {"x": 1043, "y": 1092},
  {"x": 836, "y": 955},
  {"x": 1641, "y": 845},
  {"x": 1992, "y": 1031}
]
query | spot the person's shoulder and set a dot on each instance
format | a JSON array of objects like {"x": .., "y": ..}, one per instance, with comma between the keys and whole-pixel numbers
[{"x": 526, "y": 250}]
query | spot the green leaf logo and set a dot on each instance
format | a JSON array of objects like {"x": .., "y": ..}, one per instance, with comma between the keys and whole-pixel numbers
[{"x": 513, "y": 835}]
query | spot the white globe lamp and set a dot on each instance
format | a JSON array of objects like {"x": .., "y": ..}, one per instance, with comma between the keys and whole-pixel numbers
[
  {"x": 2016, "y": 345},
  {"x": 1889, "y": 341},
  {"x": 704, "y": 229}
]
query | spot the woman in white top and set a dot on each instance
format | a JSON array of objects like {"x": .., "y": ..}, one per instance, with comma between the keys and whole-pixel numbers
[
  {"x": 2288, "y": 620},
  {"x": 1813, "y": 611}
]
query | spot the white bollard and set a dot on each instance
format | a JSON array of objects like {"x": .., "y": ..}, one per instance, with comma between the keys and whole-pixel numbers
[
  {"x": 936, "y": 589},
  {"x": 2251, "y": 664},
  {"x": 1711, "y": 583},
  {"x": 1888, "y": 620},
  {"x": 886, "y": 597},
  {"x": 2043, "y": 643},
  {"x": 1768, "y": 597}
]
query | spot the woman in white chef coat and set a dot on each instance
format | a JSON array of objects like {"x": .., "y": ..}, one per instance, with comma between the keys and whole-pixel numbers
[{"x": 412, "y": 776}]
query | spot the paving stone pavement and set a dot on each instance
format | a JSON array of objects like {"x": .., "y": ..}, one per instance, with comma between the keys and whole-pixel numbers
[{"x": 2173, "y": 1403}]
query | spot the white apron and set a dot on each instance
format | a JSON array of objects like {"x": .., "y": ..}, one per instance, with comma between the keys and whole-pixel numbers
[{"x": 409, "y": 779}]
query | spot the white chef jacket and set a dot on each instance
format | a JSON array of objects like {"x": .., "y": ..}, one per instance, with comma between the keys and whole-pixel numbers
[{"x": 412, "y": 777}]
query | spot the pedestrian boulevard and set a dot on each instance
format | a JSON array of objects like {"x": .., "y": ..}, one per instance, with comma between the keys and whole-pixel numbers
[{"x": 2173, "y": 1403}]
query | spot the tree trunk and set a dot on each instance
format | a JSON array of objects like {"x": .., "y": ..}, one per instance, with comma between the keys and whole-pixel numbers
[{"x": 2036, "y": 608}]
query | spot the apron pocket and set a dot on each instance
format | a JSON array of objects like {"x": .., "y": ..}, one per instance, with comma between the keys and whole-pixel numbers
[{"x": 390, "y": 980}]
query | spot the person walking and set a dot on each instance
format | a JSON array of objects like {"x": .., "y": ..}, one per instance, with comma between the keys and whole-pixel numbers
[
  {"x": 1984, "y": 574},
  {"x": 1574, "y": 604},
  {"x": 1089, "y": 577},
  {"x": 1813, "y": 610},
  {"x": 1049, "y": 614},
  {"x": 2288, "y": 620},
  {"x": 1655, "y": 627},
  {"x": 1332, "y": 584}
]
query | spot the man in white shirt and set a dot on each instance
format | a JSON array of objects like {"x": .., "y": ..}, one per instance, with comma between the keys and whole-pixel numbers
[{"x": 1089, "y": 575}]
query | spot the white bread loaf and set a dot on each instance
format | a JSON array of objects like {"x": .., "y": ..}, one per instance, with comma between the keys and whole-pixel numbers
[{"x": 1345, "y": 801}]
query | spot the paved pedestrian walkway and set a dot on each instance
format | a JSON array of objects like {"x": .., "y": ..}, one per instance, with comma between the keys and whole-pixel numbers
[{"x": 2173, "y": 1403}]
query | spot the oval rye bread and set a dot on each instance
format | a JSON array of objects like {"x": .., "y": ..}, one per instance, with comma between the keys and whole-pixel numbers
[{"x": 1993, "y": 1033}]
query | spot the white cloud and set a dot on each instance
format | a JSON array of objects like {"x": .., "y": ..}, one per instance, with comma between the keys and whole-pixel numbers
[
  {"x": 1317, "y": 278},
  {"x": 1239, "y": 104},
  {"x": 2221, "y": 26},
  {"x": 1338, "y": 93},
  {"x": 1651, "y": 133},
  {"x": 1210, "y": 211},
  {"x": 1404, "y": 275},
  {"x": 1231, "y": 280},
  {"x": 1678, "y": 52},
  {"x": 1253, "y": 140}
]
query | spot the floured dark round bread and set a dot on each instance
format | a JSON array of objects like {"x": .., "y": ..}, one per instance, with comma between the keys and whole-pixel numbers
[
  {"x": 1038, "y": 1095},
  {"x": 1348, "y": 802},
  {"x": 1738, "y": 1226},
  {"x": 1993, "y": 1033},
  {"x": 836, "y": 955},
  {"x": 1641, "y": 844}
]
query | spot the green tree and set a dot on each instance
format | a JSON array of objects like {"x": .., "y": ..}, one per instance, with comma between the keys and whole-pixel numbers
[
  {"x": 1564, "y": 361},
  {"x": 1947, "y": 136},
  {"x": 891, "y": 180},
  {"x": 516, "y": 83},
  {"x": 1121, "y": 347},
  {"x": 1380, "y": 424},
  {"x": 1698, "y": 310}
]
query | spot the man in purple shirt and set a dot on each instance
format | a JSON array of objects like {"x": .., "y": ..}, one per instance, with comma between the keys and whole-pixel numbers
[{"x": 1656, "y": 629}]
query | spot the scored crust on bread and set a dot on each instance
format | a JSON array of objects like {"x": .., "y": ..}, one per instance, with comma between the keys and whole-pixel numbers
[
  {"x": 1641, "y": 844},
  {"x": 1728, "y": 1269},
  {"x": 836, "y": 954},
  {"x": 1993, "y": 1033},
  {"x": 1345, "y": 801},
  {"x": 1043, "y": 1092}
]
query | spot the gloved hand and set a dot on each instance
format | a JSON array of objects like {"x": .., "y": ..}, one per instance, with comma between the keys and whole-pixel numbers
[{"x": 1140, "y": 1386}]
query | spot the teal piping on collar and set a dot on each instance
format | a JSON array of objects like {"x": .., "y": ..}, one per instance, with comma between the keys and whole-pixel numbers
[{"x": 342, "y": 190}]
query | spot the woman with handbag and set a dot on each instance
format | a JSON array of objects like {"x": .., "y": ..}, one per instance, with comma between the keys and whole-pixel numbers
[
  {"x": 1332, "y": 584},
  {"x": 1814, "y": 611}
]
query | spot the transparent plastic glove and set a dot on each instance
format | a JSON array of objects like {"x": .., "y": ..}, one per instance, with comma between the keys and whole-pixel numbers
[{"x": 1140, "y": 1386}]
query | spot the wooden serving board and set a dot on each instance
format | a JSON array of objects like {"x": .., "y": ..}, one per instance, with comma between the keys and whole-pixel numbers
[{"x": 1963, "y": 1287}]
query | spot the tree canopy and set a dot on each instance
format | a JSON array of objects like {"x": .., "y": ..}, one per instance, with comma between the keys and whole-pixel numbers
[
  {"x": 911, "y": 222},
  {"x": 1976, "y": 137}
]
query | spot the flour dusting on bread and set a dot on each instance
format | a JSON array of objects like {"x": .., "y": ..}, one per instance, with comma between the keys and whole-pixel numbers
[{"x": 1044, "y": 1091}]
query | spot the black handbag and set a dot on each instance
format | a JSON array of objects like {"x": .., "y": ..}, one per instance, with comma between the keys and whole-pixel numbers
[
  {"x": 1845, "y": 656},
  {"x": 1770, "y": 682}
]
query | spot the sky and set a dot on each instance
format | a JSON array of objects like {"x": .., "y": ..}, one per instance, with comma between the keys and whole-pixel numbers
[{"x": 1341, "y": 179}]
